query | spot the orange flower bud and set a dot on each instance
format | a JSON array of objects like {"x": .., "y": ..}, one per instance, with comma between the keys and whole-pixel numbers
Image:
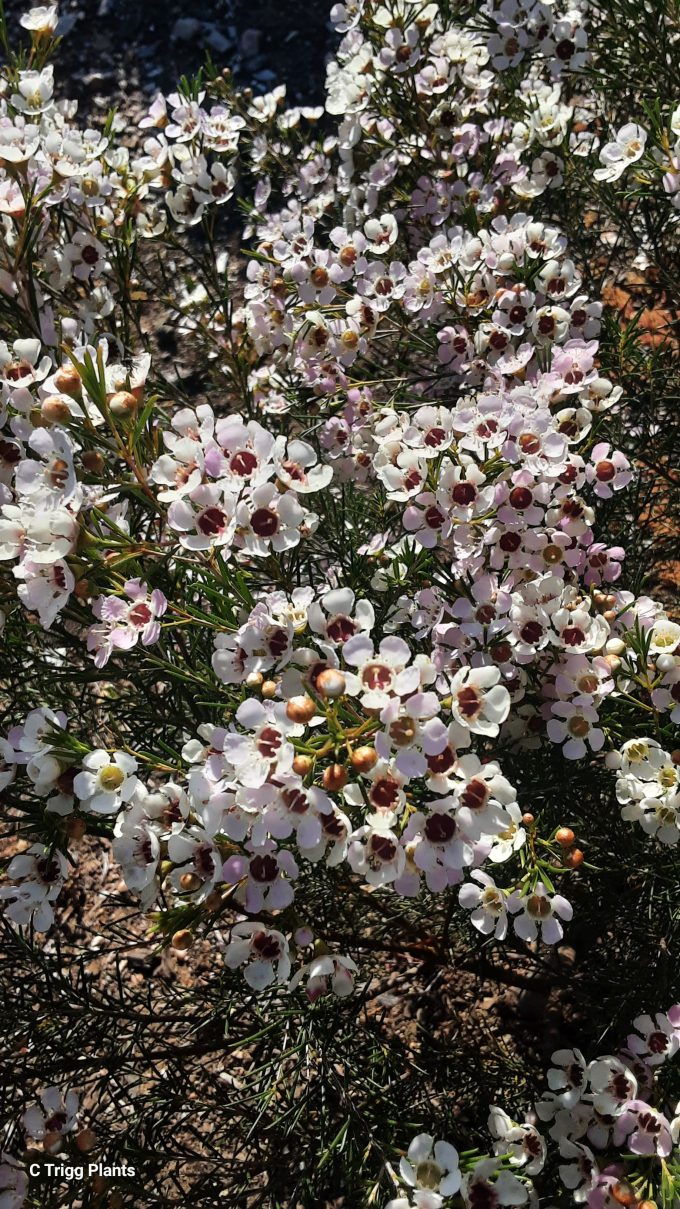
[
  {"x": 565, "y": 836},
  {"x": 183, "y": 939},
  {"x": 335, "y": 777},
  {"x": 300, "y": 709},
  {"x": 331, "y": 683},
  {"x": 363, "y": 759},
  {"x": 67, "y": 381}
]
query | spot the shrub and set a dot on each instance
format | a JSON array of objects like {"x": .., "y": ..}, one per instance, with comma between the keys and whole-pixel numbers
[{"x": 337, "y": 462}]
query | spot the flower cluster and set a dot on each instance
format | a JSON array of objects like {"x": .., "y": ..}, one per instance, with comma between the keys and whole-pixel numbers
[{"x": 614, "y": 1143}]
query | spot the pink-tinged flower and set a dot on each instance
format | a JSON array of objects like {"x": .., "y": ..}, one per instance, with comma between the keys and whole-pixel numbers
[
  {"x": 539, "y": 912},
  {"x": 608, "y": 470},
  {"x": 339, "y": 971},
  {"x": 263, "y": 876},
  {"x": 262, "y": 950},
  {"x": 487, "y": 903},
  {"x": 657, "y": 1038},
  {"x": 265, "y": 747},
  {"x": 123, "y": 623},
  {"x": 376, "y": 853},
  {"x": 380, "y": 674},
  {"x": 644, "y": 1130},
  {"x": 338, "y": 616},
  {"x": 205, "y": 518},
  {"x": 437, "y": 847},
  {"x": 40, "y": 874}
]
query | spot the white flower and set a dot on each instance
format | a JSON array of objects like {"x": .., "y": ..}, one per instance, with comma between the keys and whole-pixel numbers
[
  {"x": 42, "y": 19},
  {"x": 431, "y": 1166},
  {"x": 262, "y": 950},
  {"x": 627, "y": 147},
  {"x": 318, "y": 971},
  {"x": 478, "y": 701},
  {"x": 488, "y": 905},
  {"x": 107, "y": 779},
  {"x": 539, "y": 912},
  {"x": 53, "y": 1114}
]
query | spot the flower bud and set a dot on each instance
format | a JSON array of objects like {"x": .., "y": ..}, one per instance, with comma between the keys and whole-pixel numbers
[
  {"x": 86, "y": 1139},
  {"x": 76, "y": 827},
  {"x": 331, "y": 683},
  {"x": 300, "y": 709},
  {"x": 189, "y": 882},
  {"x": 624, "y": 1194},
  {"x": 302, "y": 765},
  {"x": 565, "y": 836},
  {"x": 675, "y": 755},
  {"x": 93, "y": 461},
  {"x": 268, "y": 689},
  {"x": 528, "y": 819},
  {"x": 615, "y": 646},
  {"x": 335, "y": 777},
  {"x": 213, "y": 900},
  {"x": 67, "y": 381},
  {"x": 665, "y": 663},
  {"x": 254, "y": 680},
  {"x": 122, "y": 403},
  {"x": 53, "y": 410},
  {"x": 183, "y": 939},
  {"x": 574, "y": 858},
  {"x": 363, "y": 759}
]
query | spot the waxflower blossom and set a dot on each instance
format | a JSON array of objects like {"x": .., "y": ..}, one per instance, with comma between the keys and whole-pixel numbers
[
  {"x": 124, "y": 624},
  {"x": 540, "y": 914}
]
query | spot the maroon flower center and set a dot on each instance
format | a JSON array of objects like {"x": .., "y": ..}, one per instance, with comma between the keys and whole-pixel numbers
[
  {"x": 469, "y": 702},
  {"x": 243, "y": 463},
  {"x": 269, "y": 742},
  {"x": 382, "y": 848},
  {"x": 510, "y": 542},
  {"x": 475, "y": 795},
  {"x": 531, "y": 632},
  {"x": 605, "y": 471},
  {"x": 211, "y": 522},
  {"x": 464, "y": 494},
  {"x": 521, "y": 498},
  {"x": 264, "y": 522},
  {"x": 441, "y": 762},
  {"x": 439, "y": 828},
  {"x": 377, "y": 676},
  {"x": 266, "y": 946},
  {"x": 264, "y": 868},
  {"x": 140, "y": 614},
  {"x": 435, "y": 437},
  {"x": 385, "y": 793},
  {"x": 340, "y": 628}
]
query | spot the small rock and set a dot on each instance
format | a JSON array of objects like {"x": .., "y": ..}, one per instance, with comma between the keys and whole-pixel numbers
[
  {"x": 249, "y": 45},
  {"x": 217, "y": 41},
  {"x": 184, "y": 29}
]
